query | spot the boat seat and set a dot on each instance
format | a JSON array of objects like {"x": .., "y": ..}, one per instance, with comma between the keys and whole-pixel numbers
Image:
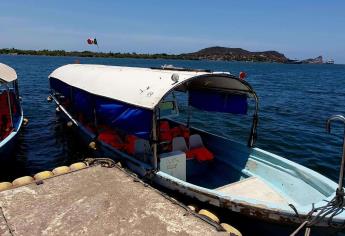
[
  {"x": 179, "y": 144},
  {"x": 197, "y": 149},
  {"x": 195, "y": 141},
  {"x": 111, "y": 137},
  {"x": 254, "y": 188}
]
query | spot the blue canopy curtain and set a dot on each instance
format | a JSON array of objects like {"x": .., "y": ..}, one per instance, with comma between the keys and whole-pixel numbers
[
  {"x": 216, "y": 101},
  {"x": 128, "y": 118},
  {"x": 131, "y": 119}
]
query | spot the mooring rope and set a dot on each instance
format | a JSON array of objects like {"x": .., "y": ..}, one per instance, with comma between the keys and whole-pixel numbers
[
  {"x": 6, "y": 222},
  {"x": 104, "y": 162},
  {"x": 333, "y": 208}
]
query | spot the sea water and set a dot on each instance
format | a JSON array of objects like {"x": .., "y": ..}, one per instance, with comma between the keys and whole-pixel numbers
[{"x": 295, "y": 102}]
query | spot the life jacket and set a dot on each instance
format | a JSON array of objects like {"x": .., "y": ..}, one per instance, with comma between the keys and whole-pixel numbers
[
  {"x": 164, "y": 126},
  {"x": 130, "y": 144},
  {"x": 164, "y": 131},
  {"x": 180, "y": 131},
  {"x": 185, "y": 132},
  {"x": 176, "y": 132},
  {"x": 200, "y": 154},
  {"x": 112, "y": 138}
]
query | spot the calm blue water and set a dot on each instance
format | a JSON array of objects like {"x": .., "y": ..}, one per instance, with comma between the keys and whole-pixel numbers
[{"x": 295, "y": 101}]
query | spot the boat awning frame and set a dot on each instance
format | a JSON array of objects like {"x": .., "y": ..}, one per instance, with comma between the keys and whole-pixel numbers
[
  {"x": 144, "y": 87},
  {"x": 7, "y": 74}
]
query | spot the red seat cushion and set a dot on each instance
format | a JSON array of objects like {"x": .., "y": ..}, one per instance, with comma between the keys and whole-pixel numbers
[
  {"x": 111, "y": 138},
  {"x": 164, "y": 126},
  {"x": 201, "y": 154},
  {"x": 175, "y": 132},
  {"x": 130, "y": 144},
  {"x": 185, "y": 132},
  {"x": 165, "y": 136}
]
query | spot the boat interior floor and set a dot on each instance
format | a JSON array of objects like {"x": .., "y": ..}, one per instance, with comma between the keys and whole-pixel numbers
[
  {"x": 254, "y": 188},
  {"x": 220, "y": 176},
  {"x": 212, "y": 174}
]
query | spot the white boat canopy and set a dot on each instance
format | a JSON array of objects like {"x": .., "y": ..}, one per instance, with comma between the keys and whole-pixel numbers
[
  {"x": 7, "y": 74},
  {"x": 144, "y": 87}
]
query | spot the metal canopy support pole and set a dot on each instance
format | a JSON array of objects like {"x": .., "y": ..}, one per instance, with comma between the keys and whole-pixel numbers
[
  {"x": 188, "y": 111},
  {"x": 9, "y": 105},
  {"x": 253, "y": 134},
  {"x": 340, "y": 190},
  {"x": 95, "y": 122},
  {"x": 154, "y": 137}
]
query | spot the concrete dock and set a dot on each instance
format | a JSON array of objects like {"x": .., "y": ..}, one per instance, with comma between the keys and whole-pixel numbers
[{"x": 95, "y": 201}]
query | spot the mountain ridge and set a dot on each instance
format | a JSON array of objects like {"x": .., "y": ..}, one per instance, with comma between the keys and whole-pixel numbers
[{"x": 235, "y": 54}]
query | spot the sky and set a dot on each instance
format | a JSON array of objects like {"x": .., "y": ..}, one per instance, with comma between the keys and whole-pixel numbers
[{"x": 298, "y": 29}]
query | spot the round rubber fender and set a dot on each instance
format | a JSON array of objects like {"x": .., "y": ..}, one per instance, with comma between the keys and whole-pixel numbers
[
  {"x": 230, "y": 229},
  {"x": 25, "y": 121},
  {"x": 193, "y": 207},
  {"x": 22, "y": 181},
  {"x": 61, "y": 170},
  {"x": 210, "y": 215},
  {"x": 43, "y": 175},
  {"x": 5, "y": 186},
  {"x": 92, "y": 145},
  {"x": 77, "y": 166}
]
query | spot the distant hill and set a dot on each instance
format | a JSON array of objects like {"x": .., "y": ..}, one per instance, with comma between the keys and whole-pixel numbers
[{"x": 235, "y": 54}]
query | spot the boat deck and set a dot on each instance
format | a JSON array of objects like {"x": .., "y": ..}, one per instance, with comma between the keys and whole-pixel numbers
[
  {"x": 94, "y": 201},
  {"x": 254, "y": 188}
]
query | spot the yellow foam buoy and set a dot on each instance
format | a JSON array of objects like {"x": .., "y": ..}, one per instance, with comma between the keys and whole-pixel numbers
[
  {"x": 43, "y": 175},
  {"x": 209, "y": 214},
  {"x": 25, "y": 121},
  {"x": 22, "y": 181},
  {"x": 61, "y": 170},
  {"x": 231, "y": 230},
  {"x": 69, "y": 124},
  {"x": 5, "y": 186},
  {"x": 77, "y": 166},
  {"x": 92, "y": 145}
]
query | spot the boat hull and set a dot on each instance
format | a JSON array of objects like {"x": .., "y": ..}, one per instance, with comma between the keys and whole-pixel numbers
[
  {"x": 269, "y": 221},
  {"x": 8, "y": 144},
  {"x": 261, "y": 221}
]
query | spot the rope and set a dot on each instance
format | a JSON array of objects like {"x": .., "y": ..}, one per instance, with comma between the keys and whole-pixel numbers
[
  {"x": 6, "y": 222},
  {"x": 104, "y": 162},
  {"x": 333, "y": 208}
]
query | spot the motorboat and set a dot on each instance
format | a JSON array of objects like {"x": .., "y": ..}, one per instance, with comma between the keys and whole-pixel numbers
[
  {"x": 11, "y": 113},
  {"x": 143, "y": 117}
]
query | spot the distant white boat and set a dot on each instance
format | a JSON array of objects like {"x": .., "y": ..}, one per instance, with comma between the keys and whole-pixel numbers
[{"x": 330, "y": 61}]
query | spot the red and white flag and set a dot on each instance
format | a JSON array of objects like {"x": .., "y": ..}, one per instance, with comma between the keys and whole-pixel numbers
[{"x": 92, "y": 41}]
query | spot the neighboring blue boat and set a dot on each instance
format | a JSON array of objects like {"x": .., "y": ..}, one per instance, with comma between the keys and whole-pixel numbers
[
  {"x": 11, "y": 114},
  {"x": 128, "y": 113}
]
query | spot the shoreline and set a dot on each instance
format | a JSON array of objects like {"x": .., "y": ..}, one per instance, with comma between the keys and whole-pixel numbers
[
  {"x": 118, "y": 55},
  {"x": 161, "y": 56}
]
